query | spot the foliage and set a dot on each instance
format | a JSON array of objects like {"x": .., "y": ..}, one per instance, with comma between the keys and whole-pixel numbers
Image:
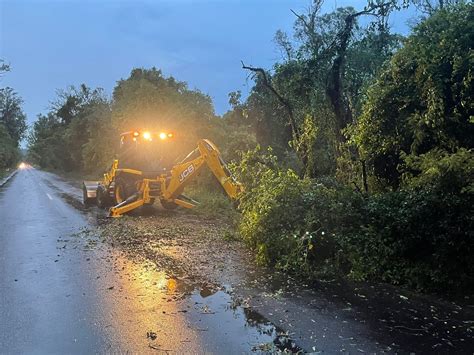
[
  {"x": 443, "y": 171},
  {"x": 149, "y": 100},
  {"x": 421, "y": 238},
  {"x": 11, "y": 114},
  {"x": 318, "y": 228},
  {"x": 12, "y": 124},
  {"x": 325, "y": 70},
  {"x": 423, "y": 100},
  {"x": 63, "y": 139},
  {"x": 81, "y": 132},
  {"x": 46, "y": 143},
  {"x": 9, "y": 153}
]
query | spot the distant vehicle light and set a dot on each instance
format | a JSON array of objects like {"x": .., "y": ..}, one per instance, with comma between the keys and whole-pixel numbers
[
  {"x": 22, "y": 166},
  {"x": 163, "y": 135},
  {"x": 147, "y": 136}
]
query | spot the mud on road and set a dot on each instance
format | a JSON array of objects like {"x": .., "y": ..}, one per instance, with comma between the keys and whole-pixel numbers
[{"x": 192, "y": 263}]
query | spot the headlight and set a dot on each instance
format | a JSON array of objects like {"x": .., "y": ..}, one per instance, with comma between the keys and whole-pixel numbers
[
  {"x": 163, "y": 135},
  {"x": 147, "y": 136}
]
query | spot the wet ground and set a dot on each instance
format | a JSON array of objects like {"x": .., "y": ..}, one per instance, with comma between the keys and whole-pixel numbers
[{"x": 73, "y": 281}]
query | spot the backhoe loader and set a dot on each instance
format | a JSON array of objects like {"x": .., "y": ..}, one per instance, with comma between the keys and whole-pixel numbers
[{"x": 142, "y": 175}]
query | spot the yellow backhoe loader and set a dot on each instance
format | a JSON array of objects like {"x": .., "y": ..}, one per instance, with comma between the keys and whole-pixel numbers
[{"x": 141, "y": 175}]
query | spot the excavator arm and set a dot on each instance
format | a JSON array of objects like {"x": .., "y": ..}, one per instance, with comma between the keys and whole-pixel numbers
[{"x": 207, "y": 154}]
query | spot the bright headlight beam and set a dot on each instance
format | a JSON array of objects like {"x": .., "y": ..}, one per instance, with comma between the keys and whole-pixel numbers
[{"x": 163, "y": 135}]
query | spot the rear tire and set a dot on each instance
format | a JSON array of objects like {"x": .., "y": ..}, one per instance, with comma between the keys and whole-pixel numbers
[
  {"x": 168, "y": 205},
  {"x": 152, "y": 201}
]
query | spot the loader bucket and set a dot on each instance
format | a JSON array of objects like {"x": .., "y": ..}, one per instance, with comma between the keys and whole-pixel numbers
[{"x": 89, "y": 191}]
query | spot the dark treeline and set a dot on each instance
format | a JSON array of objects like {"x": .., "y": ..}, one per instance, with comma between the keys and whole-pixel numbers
[
  {"x": 12, "y": 124},
  {"x": 81, "y": 131},
  {"x": 355, "y": 148}
]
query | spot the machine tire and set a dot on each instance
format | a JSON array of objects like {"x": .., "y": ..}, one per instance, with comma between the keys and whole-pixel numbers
[
  {"x": 123, "y": 189},
  {"x": 120, "y": 190},
  {"x": 103, "y": 198},
  {"x": 152, "y": 201},
  {"x": 167, "y": 205}
]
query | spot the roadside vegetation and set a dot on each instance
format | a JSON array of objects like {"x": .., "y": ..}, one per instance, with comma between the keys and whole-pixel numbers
[
  {"x": 355, "y": 149},
  {"x": 12, "y": 125}
]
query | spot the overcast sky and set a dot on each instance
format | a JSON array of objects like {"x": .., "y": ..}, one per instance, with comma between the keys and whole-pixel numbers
[{"x": 53, "y": 44}]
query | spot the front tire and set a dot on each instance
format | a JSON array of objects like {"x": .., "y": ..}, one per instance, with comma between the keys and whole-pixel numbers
[
  {"x": 120, "y": 190},
  {"x": 103, "y": 198}
]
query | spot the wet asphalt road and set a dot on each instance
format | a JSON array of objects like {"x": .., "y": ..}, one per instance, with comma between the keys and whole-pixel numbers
[
  {"x": 64, "y": 291},
  {"x": 46, "y": 304},
  {"x": 59, "y": 295}
]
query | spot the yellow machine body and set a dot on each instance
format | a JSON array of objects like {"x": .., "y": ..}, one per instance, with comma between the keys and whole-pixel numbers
[{"x": 167, "y": 187}]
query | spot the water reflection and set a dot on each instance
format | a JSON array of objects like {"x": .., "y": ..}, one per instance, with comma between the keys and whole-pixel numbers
[{"x": 184, "y": 316}]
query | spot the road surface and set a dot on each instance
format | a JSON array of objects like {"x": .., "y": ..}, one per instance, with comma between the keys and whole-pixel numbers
[{"x": 64, "y": 290}]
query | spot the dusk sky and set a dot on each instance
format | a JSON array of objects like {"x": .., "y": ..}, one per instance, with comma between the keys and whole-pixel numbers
[{"x": 53, "y": 44}]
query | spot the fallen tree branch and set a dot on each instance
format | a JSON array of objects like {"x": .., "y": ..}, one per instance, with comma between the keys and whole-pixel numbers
[{"x": 281, "y": 99}]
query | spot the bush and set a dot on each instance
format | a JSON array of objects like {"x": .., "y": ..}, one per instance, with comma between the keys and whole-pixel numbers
[
  {"x": 9, "y": 152},
  {"x": 293, "y": 223},
  {"x": 421, "y": 237}
]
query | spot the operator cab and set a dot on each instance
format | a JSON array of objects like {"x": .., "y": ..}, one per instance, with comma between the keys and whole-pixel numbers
[{"x": 149, "y": 152}]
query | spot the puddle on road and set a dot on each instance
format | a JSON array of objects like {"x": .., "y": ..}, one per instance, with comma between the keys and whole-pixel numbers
[
  {"x": 182, "y": 314},
  {"x": 228, "y": 318}
]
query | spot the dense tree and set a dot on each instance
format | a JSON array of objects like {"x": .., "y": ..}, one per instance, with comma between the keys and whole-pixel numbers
[
  {"x": 423, "y": 100},
  {"x": 317, "y": 89},
  {"x": 12, "y": 123},
  {"x": 9, "y": 153},
  {"x": 46, "y": 143},
  {"x": 11, "y": 114},
  {"x": 148, "y": 99},
  {"x": 409, "y": 121},
  {"x": 89, "y": 125},
  {"x": 58, "y": 139}
]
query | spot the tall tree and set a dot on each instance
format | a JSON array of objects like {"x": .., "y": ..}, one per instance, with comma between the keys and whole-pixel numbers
[
  {"x": 12, "y": 115},
  {"x": 423, "y": 100},
  {"x": 323, "y": 74}
]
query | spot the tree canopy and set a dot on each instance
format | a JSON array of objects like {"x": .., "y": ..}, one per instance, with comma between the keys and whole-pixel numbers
[
  {"x": 12, "y": 123},
  {"x": 422, "y": 100}
]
